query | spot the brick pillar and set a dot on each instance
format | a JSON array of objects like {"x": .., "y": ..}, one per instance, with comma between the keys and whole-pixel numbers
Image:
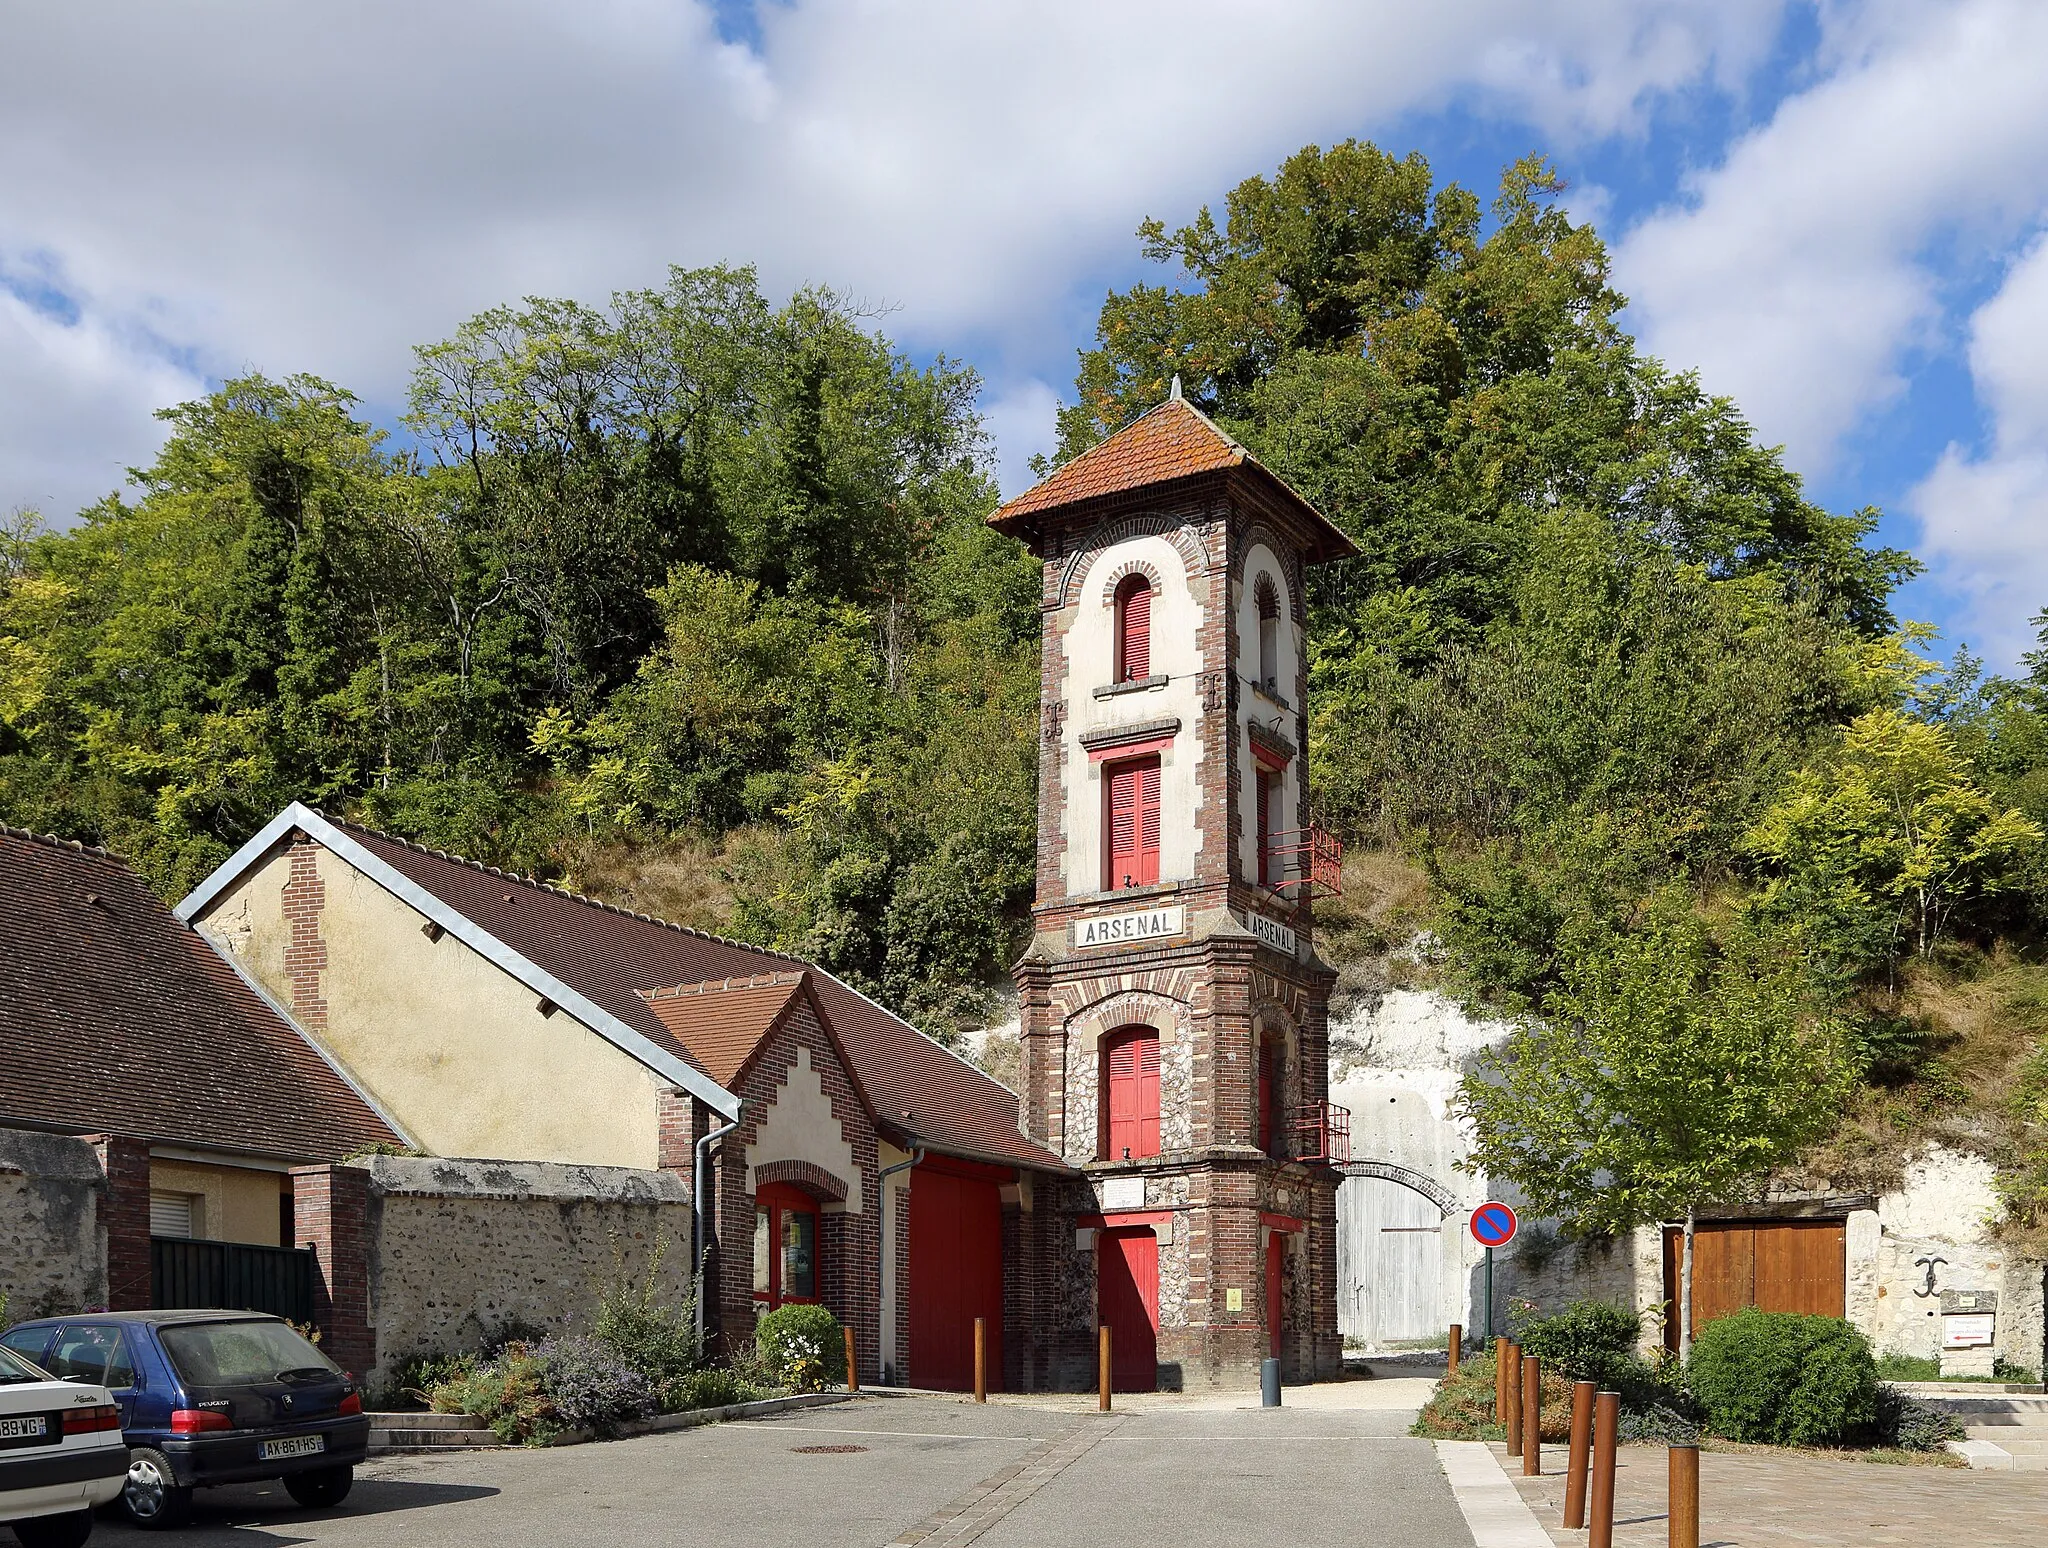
[
  {"x": 305, "y": 958},
  {"x": 124, "y": 1215},
  {"x": 331, "y": 1210}
]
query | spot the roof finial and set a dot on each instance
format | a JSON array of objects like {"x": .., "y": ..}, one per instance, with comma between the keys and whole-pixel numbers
[{"x": 1174, "y": 391}]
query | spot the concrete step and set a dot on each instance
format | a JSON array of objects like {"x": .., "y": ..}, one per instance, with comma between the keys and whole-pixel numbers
[
  {"x": 430, "y": 1432},
  {"x": 2030, "y": 1411}
]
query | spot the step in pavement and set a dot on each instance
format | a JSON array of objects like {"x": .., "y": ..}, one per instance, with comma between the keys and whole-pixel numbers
[{"x": 430, "y": 1432}]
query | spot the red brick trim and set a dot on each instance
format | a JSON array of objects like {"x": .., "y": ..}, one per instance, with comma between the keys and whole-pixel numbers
[
  {"x": 331, "y": 1214},
  {"x": 305, "y": 959},
  {"x": 807, "y": 1175}
]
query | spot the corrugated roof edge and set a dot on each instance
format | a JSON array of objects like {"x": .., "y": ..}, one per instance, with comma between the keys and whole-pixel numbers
[{"x": 336, "y": 836}]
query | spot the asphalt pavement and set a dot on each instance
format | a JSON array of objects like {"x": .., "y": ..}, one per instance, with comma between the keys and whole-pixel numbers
[{"x": 891, "y": 1470}]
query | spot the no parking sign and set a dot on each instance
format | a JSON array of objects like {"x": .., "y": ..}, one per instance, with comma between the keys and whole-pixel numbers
[{"x": 1494, "y": 1224}]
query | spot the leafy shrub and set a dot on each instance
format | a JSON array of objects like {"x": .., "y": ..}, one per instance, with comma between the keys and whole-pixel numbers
[
  {"x": 591, "y": 1386},
  {"x": 801, "y": 1347},
  {"x": 507, "y": 1393},
  {"x": 1462, "y": 1406},
  {"x": 715, "y": 1387},
  {"x": 1784, "y": 1379},
  {"x": 1911, "y": 1425},
  {"x": 1583, "y": 1339},
  {"x": 657, "y": 1338},
  {"x": 412, "y": 1381}
]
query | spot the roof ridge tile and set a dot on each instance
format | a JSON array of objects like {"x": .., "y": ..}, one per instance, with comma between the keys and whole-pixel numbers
[{"x": 76, "y": 846}]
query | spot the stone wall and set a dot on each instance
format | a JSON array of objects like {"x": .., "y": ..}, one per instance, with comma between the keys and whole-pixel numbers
[
  {"x": 459, "y": 1252},
  {"x": 53, "y": 1255}
]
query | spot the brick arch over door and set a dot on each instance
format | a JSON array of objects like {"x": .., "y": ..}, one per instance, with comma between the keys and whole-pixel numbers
[{"x": 807, "y": 1175}]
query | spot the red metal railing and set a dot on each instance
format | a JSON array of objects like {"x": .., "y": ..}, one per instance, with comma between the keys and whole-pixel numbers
[
  {"x": 1322, "y": 1132},
  {"x": 1311, "y": 857}
]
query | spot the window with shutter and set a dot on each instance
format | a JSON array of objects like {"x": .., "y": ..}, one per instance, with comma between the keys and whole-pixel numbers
[
  {"x": 1265, "y": 1096},
  {"x": 1263, "y": 798},
  {"x": 1131, "y": 1095},
  {"x": 1133, "y": 629},
  {"x": 1268, "y": 600},
  {"x": 172, "y": 1214},
  {"x": 1131, "y": 794}
]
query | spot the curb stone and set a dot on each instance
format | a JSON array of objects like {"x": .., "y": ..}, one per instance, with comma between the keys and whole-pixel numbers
[{"x": 693, "y": 1418}]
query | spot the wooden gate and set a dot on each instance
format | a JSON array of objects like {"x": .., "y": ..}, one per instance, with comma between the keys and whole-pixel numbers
[
  {"x": 1778, "y": 1265},
  {"x": 1390, "y": 1263},
  {"x": 235, "y": 1276}
]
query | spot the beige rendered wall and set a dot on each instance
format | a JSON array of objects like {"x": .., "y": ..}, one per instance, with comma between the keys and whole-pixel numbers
[
  {"x": 451, "y": 1045},
  {"x": 236, "y": 1203}
]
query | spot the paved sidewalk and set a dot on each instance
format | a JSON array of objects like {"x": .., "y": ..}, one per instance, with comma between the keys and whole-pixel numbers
[{"x": 1749, "y": 1500}]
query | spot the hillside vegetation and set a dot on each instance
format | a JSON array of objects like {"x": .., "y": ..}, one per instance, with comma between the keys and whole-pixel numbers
[{"x": 687, "y": 599}]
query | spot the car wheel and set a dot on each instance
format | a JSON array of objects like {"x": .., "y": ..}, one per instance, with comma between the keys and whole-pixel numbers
[
  {"x": 152, "y": 1497},
  {"x": 322, "y": 1487},
  {"x": 66, "y": 1531}
]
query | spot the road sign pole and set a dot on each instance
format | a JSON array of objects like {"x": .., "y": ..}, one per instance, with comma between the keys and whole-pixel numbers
[{"x": 1489, "y": 1292}]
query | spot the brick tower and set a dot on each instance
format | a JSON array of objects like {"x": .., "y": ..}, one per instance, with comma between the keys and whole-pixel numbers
[{"x": 1174, "y": 1009}]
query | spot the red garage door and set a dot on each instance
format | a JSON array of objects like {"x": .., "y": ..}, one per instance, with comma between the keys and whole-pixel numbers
[{"x": 956, "y": 1272}]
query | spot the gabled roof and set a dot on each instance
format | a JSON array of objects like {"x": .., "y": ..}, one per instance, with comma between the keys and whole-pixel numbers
[
  {"x": 724, "y": 1021},
  {"x": 116, "y": 1017},
  {"x": 596, "y": 960},
  {"x": 1173, "y": 441}
]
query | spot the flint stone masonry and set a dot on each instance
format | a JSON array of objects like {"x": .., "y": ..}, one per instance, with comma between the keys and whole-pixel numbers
[
  {"x": 53, "y": 1254},
  {"x": 459, "y": 1251}
]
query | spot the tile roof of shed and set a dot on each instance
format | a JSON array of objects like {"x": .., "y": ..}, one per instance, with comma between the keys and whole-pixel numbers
[
  {"x": 1173, "y": 441},
  {"x": 117, "y": 1018},
  {"x": 723, "y": 1020},
  {"x": 919, "y": 1090}
]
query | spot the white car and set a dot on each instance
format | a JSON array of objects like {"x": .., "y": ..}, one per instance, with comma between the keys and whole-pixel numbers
[{"x": 61, "y": 1454}]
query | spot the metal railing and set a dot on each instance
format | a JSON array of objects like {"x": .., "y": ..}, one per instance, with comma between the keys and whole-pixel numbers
[
  {"x": 1311, "y": 858},
  {"x": 1322, "y": 1132}
]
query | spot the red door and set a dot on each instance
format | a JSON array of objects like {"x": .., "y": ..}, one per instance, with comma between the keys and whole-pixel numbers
[
  {"x": 1127, "y": 1298},
  {"x": 1276, "y": 1296},
  {"x": 956, "y": 1273}
]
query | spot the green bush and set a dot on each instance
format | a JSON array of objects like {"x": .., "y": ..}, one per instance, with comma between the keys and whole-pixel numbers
[
  {"x": 1906, "y": 1367},
  {"x": 1911, "y": 1425},
  {"x": 657, "y": 1338},
  {"x": 802, "y": 1348},
  {"x": 1779, "y": 1378},
  {"x": 509, "y": 1394},
  {"x": 715, "y": 1387},
  {"x": 1581, "y": 1341}
]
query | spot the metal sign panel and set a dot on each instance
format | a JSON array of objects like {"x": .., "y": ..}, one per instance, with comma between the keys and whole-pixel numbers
[
  {"x": 1151, "y": 924},
  {"x": 1494, "y": 1224}
]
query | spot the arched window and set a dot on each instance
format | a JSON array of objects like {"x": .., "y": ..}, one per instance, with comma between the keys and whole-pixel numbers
[
  {"x": 785, "y": 1247},
  {"x": 1267, "y": 596},
  {"x": 1130, "y": 1094},
  {"x": 1270, "y": 1108},
  {"x": 1133, "y": 629}
]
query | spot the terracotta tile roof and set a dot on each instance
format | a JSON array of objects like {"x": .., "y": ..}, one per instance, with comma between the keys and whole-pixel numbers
[
  {"x": 1173, "y": 441},
  {"x": 723, "y": 1020},
  {"x": 116, "y": 1018},
  {"x": 919, "y": 1090}
]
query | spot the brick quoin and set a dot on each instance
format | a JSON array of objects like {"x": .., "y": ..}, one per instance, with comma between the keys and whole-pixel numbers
[
  {"x": 331, "y": 1214},
  {"x": 124, "y": 1216},
  {"x": 305, "y": 958}
]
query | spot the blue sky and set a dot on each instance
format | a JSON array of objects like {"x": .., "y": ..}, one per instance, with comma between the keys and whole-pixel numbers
[{"x": 1833, "y": 210}]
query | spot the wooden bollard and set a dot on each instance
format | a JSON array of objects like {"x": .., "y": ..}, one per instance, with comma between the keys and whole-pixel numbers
[
  {"x": 1580, "y": 1454},
  {"x": 1532, "y": 1417},
  {"x": 1457, "y": 1338},
  {"x": 1606, "y": 1429},
  {"x": 1514, "y": 1399},
  {"x": 1683, "y": 1510},
  {"x": 1500, "y": 1382},
  {"x": 852, "y": 1365},
  {"x": 1102, "y": 1367},
  {"x": 980, "y": 1359}
]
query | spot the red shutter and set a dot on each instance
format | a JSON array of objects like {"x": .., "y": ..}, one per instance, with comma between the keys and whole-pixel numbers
[
  {"x": 1265, "y": 827},
  {"x": 1133, "y": 804},
  {"x": 1265, "y": 1097},
  {"x": 1134, "y": 630},
  {"x": 1132, "y": 1074}
]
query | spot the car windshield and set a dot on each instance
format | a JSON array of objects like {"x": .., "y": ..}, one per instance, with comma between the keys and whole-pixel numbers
[
  {"x": 14, "y": 1369},
  {"x": 230, "y": 1354}
]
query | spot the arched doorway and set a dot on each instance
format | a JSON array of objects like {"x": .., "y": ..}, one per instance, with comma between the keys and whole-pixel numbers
[{"x": 1390, "y": 1255}]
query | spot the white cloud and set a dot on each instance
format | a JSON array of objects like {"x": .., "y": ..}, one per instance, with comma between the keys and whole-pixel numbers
[
  {"x": 1984, "y": 515},
  {"x": 1800, "y": 273},
  {"x": 318, "y": 187}
]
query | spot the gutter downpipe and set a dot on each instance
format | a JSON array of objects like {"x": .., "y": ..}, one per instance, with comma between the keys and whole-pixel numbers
[
  {"x": 917, "y": 1154},
  {"x": 702, "y": 1201}
]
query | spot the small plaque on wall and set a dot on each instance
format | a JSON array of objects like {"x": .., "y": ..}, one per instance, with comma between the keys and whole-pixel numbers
[
  {"x": 1152, "y": 924},
  {"x": 1123, "y": 1193}
]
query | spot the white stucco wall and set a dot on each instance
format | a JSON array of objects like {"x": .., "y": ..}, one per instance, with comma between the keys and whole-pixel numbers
[
  {"x": 1089, "y": 644},
  {"x": 1254, "y": 703}
]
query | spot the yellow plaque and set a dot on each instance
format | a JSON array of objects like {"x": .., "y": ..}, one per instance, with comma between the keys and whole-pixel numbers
[{"x": 1233, "y": 1299}]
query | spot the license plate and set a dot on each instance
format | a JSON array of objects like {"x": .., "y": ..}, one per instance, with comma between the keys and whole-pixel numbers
[
  {"x": 297, "y": 1446},
  {"x": 31, "y": 1427}
]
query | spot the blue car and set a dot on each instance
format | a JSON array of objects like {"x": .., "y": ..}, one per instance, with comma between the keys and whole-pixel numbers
[{"x": 209, "y": 1397}]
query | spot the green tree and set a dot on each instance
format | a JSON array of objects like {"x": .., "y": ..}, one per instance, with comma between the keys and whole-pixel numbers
[{"x": 1664, "y": 1072}]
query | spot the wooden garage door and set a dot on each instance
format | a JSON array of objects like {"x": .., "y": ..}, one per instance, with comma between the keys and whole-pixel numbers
[
  {"x": 1127, "y": 1301},
  {"x": 1778, "y": 1265},
  {"x": 956, "y": 1273}
]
